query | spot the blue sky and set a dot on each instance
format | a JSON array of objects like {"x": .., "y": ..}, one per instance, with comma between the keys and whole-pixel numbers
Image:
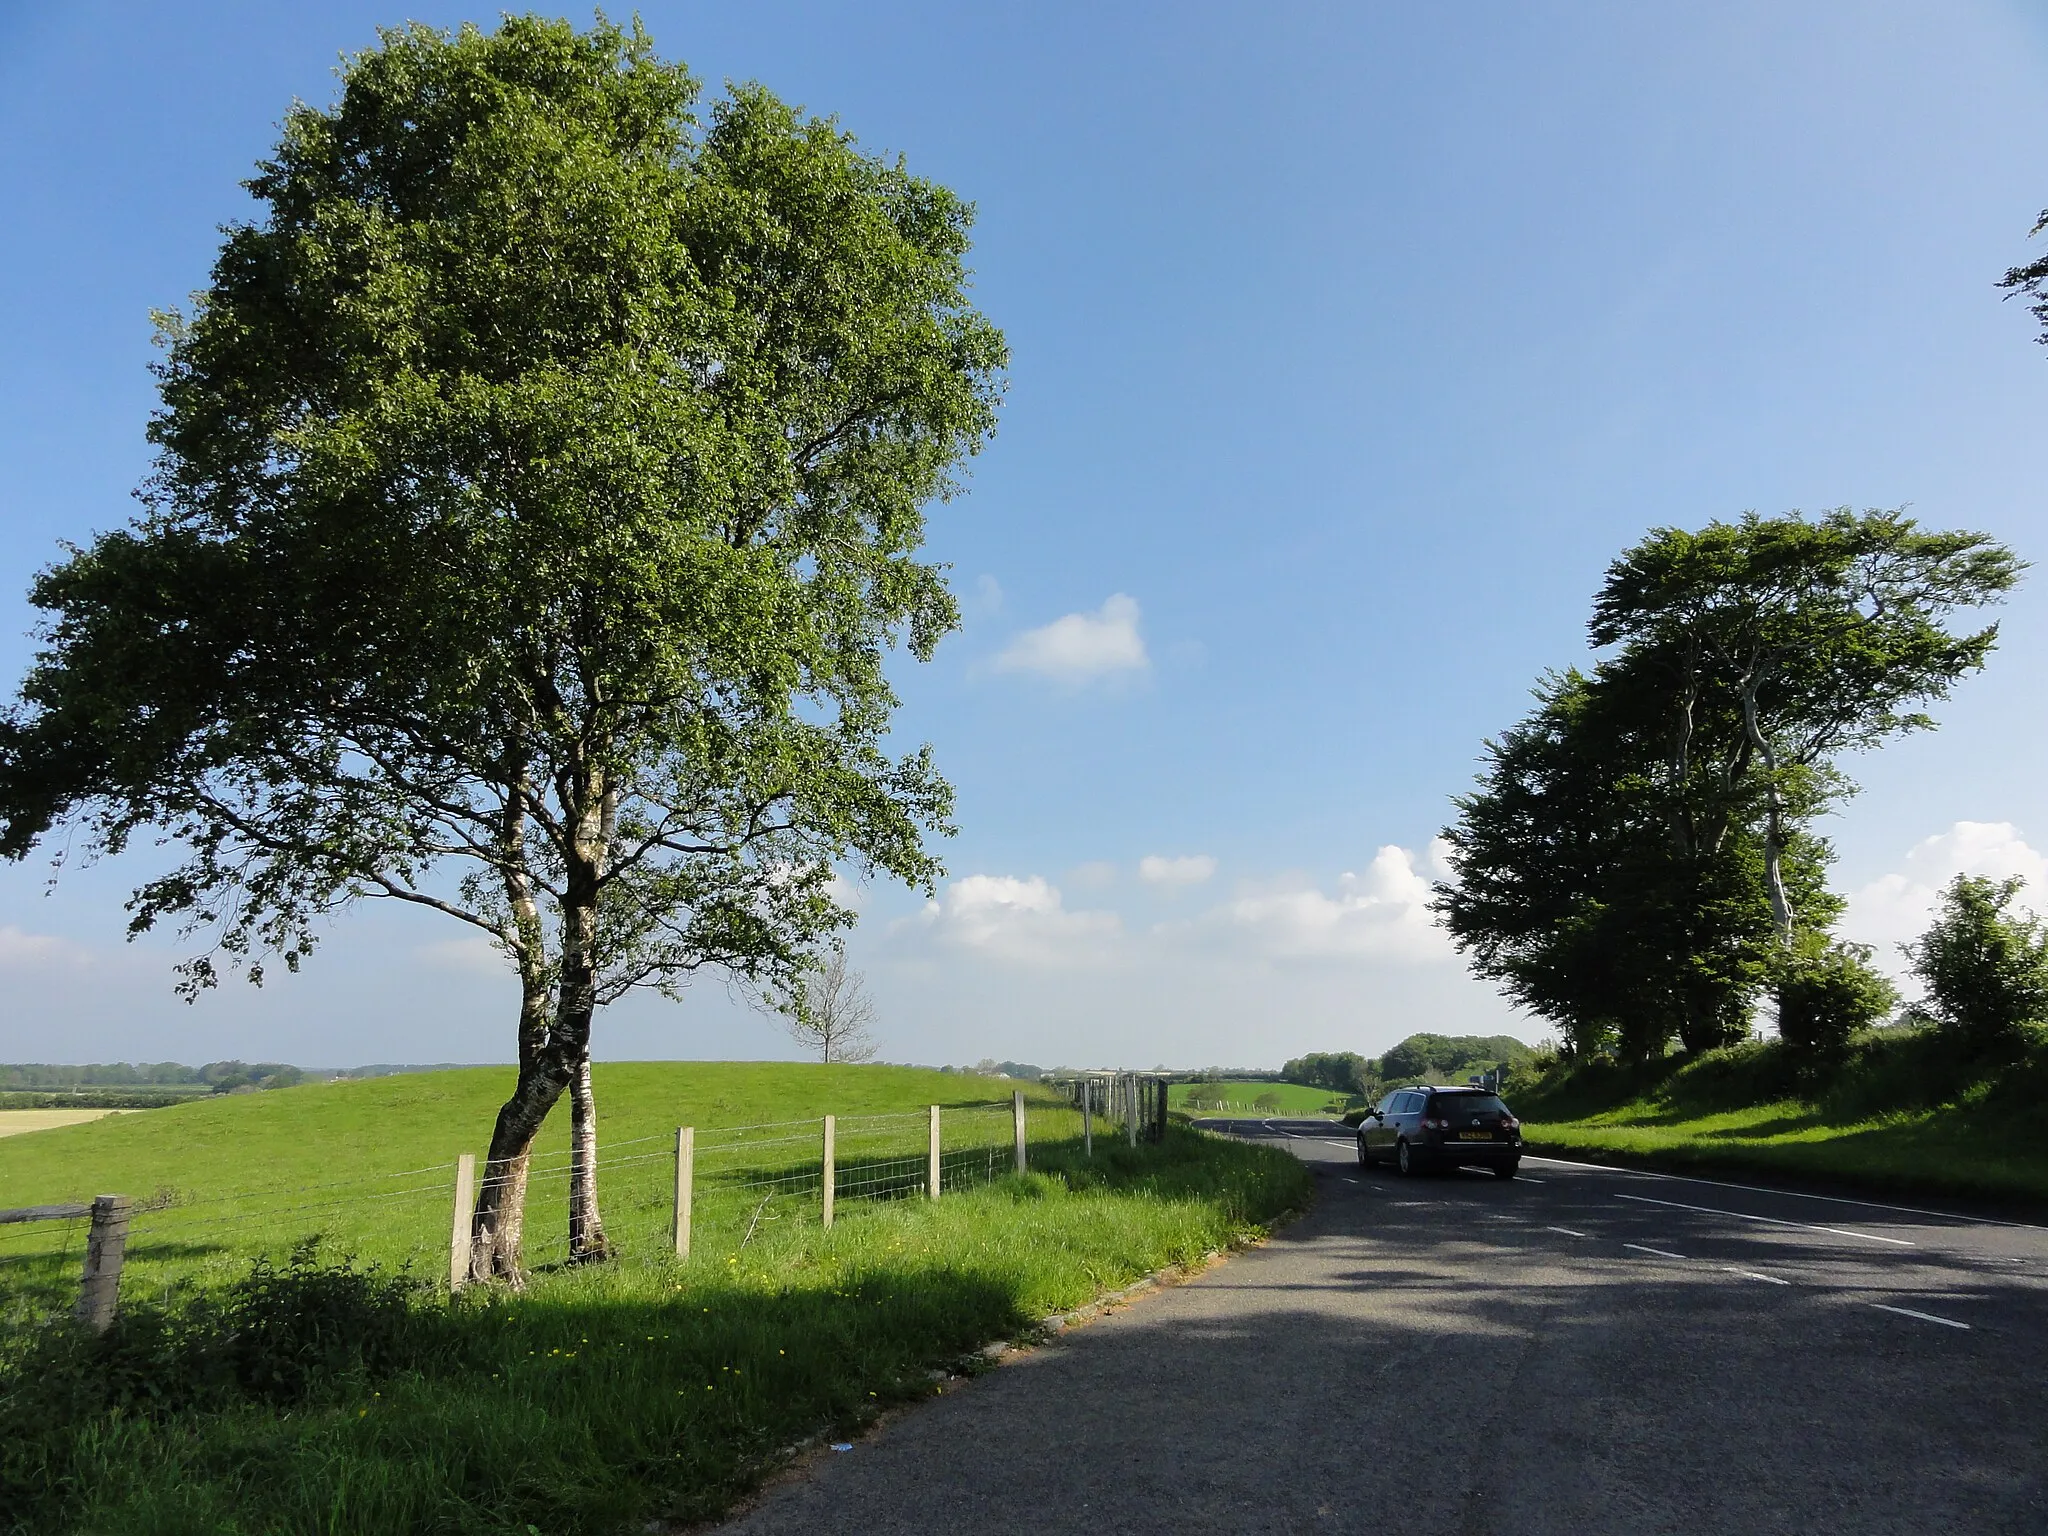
[{"x": 1350, "y": 342}]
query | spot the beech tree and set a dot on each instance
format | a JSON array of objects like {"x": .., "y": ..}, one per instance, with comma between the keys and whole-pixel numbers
[
  {"x": 540, "y": 487},
  {"x": 1639, "y": 857}
]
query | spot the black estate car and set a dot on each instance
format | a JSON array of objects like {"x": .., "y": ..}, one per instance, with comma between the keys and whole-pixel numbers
[{"x": 1424, "y": 1128}]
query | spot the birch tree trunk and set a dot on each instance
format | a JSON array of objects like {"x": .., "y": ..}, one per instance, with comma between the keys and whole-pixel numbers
[{"x": 587, "y": 1243}]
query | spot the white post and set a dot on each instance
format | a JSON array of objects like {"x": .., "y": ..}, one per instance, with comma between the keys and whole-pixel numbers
[
  {"x": 458, "y": 1234},
  {"x": 686, "y": 1174},
  {"x": 932, "y": 1157},
  {"x": 1087, "y": 1119},
  {"x": 1131, "y": 1108},
  {"x": 831, "y": 1171},
  {"x": 1017, "y": 1113}
]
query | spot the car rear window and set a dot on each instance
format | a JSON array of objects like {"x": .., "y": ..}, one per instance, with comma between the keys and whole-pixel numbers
[{"x": 1465, "y": 1108}]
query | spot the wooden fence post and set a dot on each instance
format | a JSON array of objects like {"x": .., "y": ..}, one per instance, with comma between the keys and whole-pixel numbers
[
  {"x": 831, "y": 1178},
  {"x": 686, "y": 1173},
  {"x": 1017, "y": 1113},
  {"x": 458, "y": 1234},
  {"x": 1087, "y": 1119},
  {"x": 932, "y": 1156},
  {"x": 99, "y": 1288},
  {"x": 1131, "y": 1108}
]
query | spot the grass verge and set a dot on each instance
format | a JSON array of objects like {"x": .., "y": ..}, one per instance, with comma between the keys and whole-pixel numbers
[
  {"x": 1904, "y": 1114},
  {"x": 601, "y": 1399}
]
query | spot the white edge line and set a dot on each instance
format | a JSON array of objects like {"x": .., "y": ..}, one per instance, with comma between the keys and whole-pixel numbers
[
  {"x": 1567, "y": 1231},
  {"x": 1661, "y": 1253},
  {"x": 1925, "y": 1317},
  {"x": 1750, "y": 1274},
  {"x": 1776, "y": 1221},
  {"x": 1796, "y": 1194}
]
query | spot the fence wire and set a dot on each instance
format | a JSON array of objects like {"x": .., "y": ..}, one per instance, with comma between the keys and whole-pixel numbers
[{"x": 750, "y": 1182}]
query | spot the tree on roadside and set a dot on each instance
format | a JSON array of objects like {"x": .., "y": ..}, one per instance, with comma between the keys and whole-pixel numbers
[
  {"x": 1826, "y": 992},
  {"x": 828, "y": 1010},
  {"x": 539, "y": 492},
  {"x": 1819, "y": 636},
  {"x": 1984, "y": 964},
  {"x": 1639, "y": 859}
]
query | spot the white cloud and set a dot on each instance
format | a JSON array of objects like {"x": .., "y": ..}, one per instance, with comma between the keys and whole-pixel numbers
[
  {"x": 24, "y": 951},
  {"x": 1897, "y": 907},
  {"x": 1018, "y": 919},
  {"x": 1081, "y": 646},
  {"x": 1191, "y": 870},
  {"x": 1096, "y": 874},
  {"x": 471, "y": 953},
  {"x": 987, "y": 601},
  {"x": 1382, "y": 914}
]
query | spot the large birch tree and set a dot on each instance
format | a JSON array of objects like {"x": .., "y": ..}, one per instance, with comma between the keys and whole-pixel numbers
[{"x": 540, "y": 488}]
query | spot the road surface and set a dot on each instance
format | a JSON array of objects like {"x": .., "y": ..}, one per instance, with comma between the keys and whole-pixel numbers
[{"x": 1581, "y": 1350}]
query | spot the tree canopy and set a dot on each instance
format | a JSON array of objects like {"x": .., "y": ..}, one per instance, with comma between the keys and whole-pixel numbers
[
  {"x": 539, "y": 492},
  {"x": 1639, "y": 859}
]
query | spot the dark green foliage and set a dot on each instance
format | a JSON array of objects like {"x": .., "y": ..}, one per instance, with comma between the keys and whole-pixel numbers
[
  {"x": 1450, "y": 1058},
  {"x": 283, "y": 1336},
  {"x": 1826, "y": 994},
  {"x": 1639, "y": 856},
  {"x": 1339, "y": 1071},
  {"x": 1983, "y": 963},
  {"x": 2031, "y": 281}
]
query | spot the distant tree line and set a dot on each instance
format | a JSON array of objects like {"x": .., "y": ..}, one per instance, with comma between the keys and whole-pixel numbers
[
  {"x": 1419, "y": 1058},
  {"x": 216, "y": 1076}
]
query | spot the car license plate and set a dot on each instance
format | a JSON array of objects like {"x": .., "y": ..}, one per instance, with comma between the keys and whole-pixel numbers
[{"x": 1475, "y": 1135}]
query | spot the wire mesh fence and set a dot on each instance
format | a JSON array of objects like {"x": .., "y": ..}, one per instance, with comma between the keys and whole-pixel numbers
[{"x": 744, "y": 1181}]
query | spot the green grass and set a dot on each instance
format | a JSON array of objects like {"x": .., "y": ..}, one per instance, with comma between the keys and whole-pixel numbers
[
  {"x": 1291, "y": 1099},
  {"x": 1906, "y": 1114},
  {"x": 370, "y": 1164},
  {"x": 605, "y": 1397}
]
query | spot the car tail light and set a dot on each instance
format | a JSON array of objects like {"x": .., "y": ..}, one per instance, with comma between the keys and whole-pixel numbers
[
  {"x": 1436, "y": 1125},
  {"x": 1510, "y": 1123}
]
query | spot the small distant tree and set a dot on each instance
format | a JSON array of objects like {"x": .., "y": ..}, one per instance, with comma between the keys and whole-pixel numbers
[
  {"x": 1825, "y": 993},
  {"x": 1984, "y": 965},
  {"x": 1268, "y": 1101},
  {"x": 830, "y": 1012}
]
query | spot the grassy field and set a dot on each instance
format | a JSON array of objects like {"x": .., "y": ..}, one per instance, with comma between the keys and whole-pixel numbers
[
  {"x": 601, "y": 1398},
  {"x": 1902, "y": 1116},
  {"x": 1288, "y": 1098},
  {"x": 14, "y": 1122}
]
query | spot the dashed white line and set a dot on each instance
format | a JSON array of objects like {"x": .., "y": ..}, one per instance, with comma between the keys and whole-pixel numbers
[
  {"x": 1925, "y": 1317},
  {"x": 1645, "y": 1248},
  {"x": 1567, "y": 1231},
  {"x": 1750, "y": 1274},
  {"x": 1776, "y": 1221},
  {"x": 1527, "y": 1180},
  {"x": 1795, "y": 1194}
]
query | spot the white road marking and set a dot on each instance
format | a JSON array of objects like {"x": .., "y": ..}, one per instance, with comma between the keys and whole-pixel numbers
[
  {"x": 1925, "y": 1317},
  {"x": 1796, "y": 1194},
  {"x": 1567, "y": 1231},
  {"x": 1526, "y": 1179},
  {"x": 1776, "y": 1221},
  {"x": 1661, "y": 1253},
  {"x": 1750, "y": 1274}
]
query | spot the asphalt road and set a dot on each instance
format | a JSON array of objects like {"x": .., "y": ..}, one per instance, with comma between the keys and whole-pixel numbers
[{"x": 1579, "y": 1350}]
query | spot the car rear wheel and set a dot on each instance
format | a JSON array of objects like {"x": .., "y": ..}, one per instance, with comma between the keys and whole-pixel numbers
[
  {"x": 1404, "y": 1159},
  {"x": 1505, "y": 1170},
  {"x": 1365, "y": 1157}
]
